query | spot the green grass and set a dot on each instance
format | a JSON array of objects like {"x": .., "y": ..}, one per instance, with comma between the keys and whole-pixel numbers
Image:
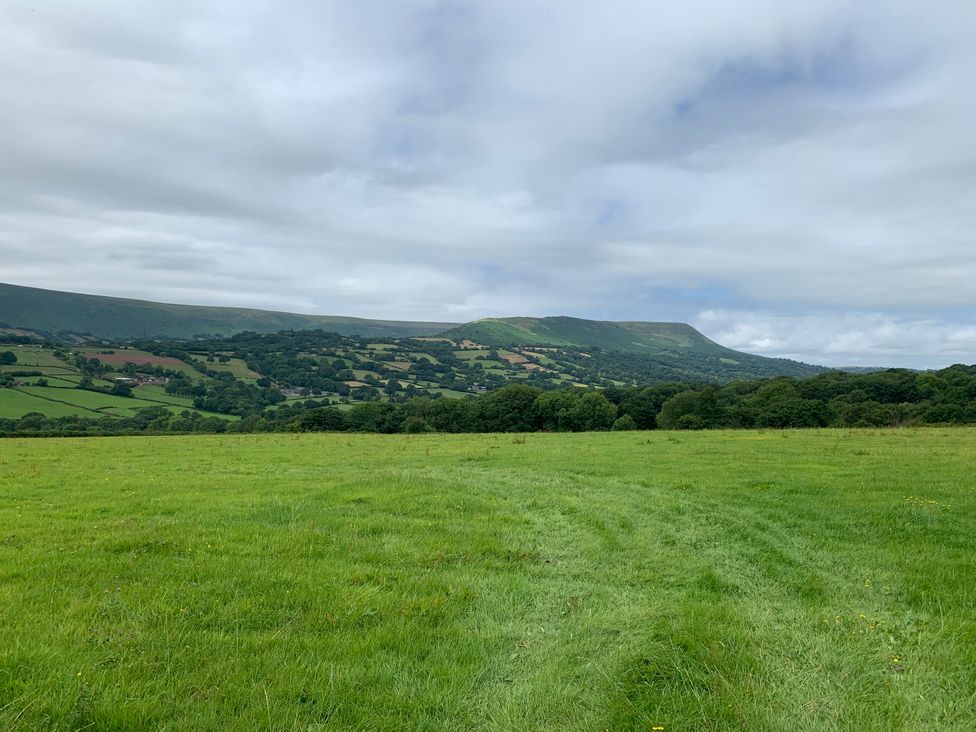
[
  {"x": 703, "y": 581},
  {"x": 157, "y": 392},
  {"x": 60, "y": 399},
  {"x": 87, "y": 399},
  {"x": 137, "y": 355},
  {"x": 59, "y": 380},
  {"x": 57, "y": 376},
  {"x": 14, "y": 404},
  {"x": 452, "y": 393},
  {"x": 236, "y": 367},
  {"x": 28, "y": 356},
  {"x": 361, "y": 374},
  {"x": 563, "y": 331},
  {"x": 468, "y": 354}
]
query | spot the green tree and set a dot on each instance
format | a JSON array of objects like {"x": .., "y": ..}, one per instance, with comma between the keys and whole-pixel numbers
[
  {"x": 374, "y": 417},
  {"x": 416, "y": 425},
  {"x": 779, "y": 404},
  {"x": 624, "y": 423},
  {"x": 592, "y": 412},
  {"x": 324, "y": 419},
  {"x": 120, "y": 388},
  {"x": 554, "y": 407},
  {"x": 701, "y": 407},
  {"x": 509, "y": 409}
]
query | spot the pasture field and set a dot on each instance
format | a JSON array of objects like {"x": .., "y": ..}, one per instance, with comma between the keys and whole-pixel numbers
[
  {"x": 59, "y": 401},
  {"x": 805, "y": 580},
  {"x": 14, "y": 404},
  {"x": 28, "y": 356},
  {"x": 236, "y": 367},
  {"x": 120, "y": 356}
]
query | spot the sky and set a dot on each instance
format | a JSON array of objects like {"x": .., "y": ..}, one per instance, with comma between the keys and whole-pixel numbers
[{"x": 793, "y": 179}]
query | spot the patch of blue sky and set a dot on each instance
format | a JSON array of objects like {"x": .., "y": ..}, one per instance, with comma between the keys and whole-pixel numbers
[{"x": 842, "y": 69}]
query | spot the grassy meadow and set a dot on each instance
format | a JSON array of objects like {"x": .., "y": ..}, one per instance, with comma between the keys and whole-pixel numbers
[{"x": 807, "y": 580}]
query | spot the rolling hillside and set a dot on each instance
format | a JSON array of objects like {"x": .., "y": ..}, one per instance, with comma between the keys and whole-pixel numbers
[
  {"x": 638, "y": 337},
  {"x": 669, "y": 340},
  {"x": 623, "y": 351},
  {"x": 65, "y": 314}
]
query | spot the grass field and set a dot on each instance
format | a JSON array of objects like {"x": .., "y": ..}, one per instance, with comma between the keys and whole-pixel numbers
[
  {"x": 810, "y": 580},
  {"x": 235, "y": 366},
  {"x": 28, "y": 356},
  {"x": 117, "y": 357},
  {"x": 15, "y": 403},
  {"x": 60, "y": 400}
]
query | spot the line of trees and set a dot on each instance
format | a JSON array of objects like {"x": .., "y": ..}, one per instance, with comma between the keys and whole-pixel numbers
[{"x": 888, "y": 398}]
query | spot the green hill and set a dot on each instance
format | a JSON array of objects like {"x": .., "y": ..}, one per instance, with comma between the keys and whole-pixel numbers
[
  {"x": 618, "y": 351},
  {"x": 630, "y": 337},
  {"x": 65, "y": 314},
  {"x": 679, "y": 344},
  {"x": 636, "y": 337}
]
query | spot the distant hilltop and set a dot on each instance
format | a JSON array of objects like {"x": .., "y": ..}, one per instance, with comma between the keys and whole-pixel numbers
[
  {"x": 68, "y": 315},
  {"x": 638, "y": 337},
  {"x": 72, "y": 317}
]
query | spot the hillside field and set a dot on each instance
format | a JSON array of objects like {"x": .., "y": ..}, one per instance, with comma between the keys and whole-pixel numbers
[{"x": 797, "y": 580}]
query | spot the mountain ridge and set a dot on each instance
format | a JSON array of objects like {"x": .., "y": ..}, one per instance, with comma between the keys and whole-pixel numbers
[
  {"x": 76, "y": 316},
  {"x": 561, "y": 330},
  {"x": 59, "y": 313}
]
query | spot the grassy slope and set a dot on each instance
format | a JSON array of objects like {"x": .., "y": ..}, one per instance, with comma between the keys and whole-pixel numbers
[
  {"x": 714, "y": 580},
  {"x": 117, "y": 318},
  {"x": 638, "y": 337},
  {"x": 14, "y": 404},
  {"x": 236, "y": 367},
  {"x": 32, "y": 356},
  {"x": 633, "y": 337},
  {"x": 63, "y": 401}
]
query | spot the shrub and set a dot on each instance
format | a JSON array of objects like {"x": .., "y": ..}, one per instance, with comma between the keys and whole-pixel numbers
[
  {"x": 689, "y": 422},
  {"x": 623, "y": 424},
  {"x": 416, "y": 425}
]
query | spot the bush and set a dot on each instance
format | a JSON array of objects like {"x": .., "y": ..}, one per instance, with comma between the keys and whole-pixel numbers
[
  {"x": 689, "y": 422},
  {"x": 623, "y": 424},
  {"x": 416, "y": 425},
  {"x": 323, "y": 419}
]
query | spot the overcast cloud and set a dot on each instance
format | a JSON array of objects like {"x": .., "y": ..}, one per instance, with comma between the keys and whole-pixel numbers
[{"x": 794, "y": 179}]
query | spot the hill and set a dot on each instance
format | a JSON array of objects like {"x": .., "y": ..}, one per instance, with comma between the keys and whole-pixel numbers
[
  {"x": 637, "y": 337},
  {"x": 66, "y": 314},
  {"x": 676, "y": 343},
  {"x": 590, "y": 350}
]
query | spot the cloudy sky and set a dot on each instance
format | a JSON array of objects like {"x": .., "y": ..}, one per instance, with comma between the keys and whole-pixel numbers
[{"x": 794, "y": 179}]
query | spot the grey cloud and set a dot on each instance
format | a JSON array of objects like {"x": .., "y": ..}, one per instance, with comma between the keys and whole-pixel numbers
[
  {"x": 443, "y": 161},
  {"x": 861, "y": 338}
]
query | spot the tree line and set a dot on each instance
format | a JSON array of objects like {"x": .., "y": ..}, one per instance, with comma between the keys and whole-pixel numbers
[{"x": 834, "y": 399}]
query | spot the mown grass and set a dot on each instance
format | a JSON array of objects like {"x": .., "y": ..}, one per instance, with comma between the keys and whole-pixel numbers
[{"x": 715, "y": 580}]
